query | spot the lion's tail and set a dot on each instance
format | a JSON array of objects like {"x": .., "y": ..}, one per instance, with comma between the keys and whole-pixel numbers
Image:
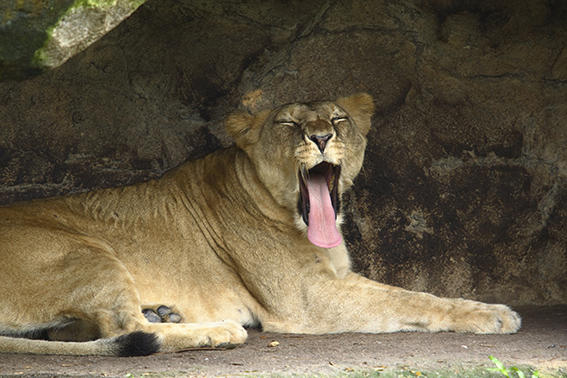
[{"x": 131, "y": 344}]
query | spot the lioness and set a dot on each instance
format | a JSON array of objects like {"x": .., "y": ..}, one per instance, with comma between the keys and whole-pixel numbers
[{"x": 246, "y": 236}]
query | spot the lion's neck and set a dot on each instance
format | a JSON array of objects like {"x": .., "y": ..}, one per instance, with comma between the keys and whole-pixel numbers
[
  {"x": 226, "y": 180},
  {"x": 257, "y": 191}
]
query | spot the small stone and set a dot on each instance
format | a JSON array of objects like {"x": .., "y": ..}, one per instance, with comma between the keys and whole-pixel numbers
[{"x": 273, "y": 344}]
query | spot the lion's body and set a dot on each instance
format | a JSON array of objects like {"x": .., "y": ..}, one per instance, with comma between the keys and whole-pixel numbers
[
  {"x": 217, "y": 238},
  {"x": 172, "y": 258}
]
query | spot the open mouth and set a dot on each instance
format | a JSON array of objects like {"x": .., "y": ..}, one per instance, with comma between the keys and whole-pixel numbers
[{"x": 319, "y": 204}]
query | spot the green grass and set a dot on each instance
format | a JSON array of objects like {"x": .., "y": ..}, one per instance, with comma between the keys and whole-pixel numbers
[
  {"x": 500, "y": 370},
  {"x": 512, "y": 371}
]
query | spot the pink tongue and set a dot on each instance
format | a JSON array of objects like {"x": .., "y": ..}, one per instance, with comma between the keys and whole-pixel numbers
[{"x": 322, "y": 230}]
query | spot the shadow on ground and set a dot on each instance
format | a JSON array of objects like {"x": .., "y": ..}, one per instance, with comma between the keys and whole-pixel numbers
[{"x": 541, "y": 344}]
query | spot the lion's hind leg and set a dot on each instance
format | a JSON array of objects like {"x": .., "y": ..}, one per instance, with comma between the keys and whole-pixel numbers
[
  {"x": 62, "y": 286},
  {"x": 73, "y": 284}
]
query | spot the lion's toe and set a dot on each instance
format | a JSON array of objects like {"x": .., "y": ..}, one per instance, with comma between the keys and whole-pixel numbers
[
  {"x": 510, "y": 321},
  {"x": 238, "y": 334},
  {"x": 500, "y": 319},
  {"x": 151, "y": 316},
  {"x": 168, "y": 315}
]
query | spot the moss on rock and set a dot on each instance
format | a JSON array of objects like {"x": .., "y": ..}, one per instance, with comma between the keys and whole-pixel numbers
[{"x": 35, "y": 36}]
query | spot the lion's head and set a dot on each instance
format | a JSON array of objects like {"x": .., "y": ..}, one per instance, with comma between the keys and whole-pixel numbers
[{"x": 307, "y": 155}]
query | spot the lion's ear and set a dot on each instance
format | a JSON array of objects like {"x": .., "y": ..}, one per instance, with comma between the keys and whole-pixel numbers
[
  {"x": 245, "y": 128},
  {"x": 360, "y": 107}
]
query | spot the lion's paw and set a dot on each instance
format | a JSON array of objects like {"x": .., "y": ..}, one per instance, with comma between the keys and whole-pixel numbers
[
  {"x": 162, "y": 314},
  {"x": 226, "y": 334},
  {"x": 480, "y": 317},
  {"x": 178, "y": 337}
]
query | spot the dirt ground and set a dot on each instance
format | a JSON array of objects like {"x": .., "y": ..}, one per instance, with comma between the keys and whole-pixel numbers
[{"x": 541, "y": 343}]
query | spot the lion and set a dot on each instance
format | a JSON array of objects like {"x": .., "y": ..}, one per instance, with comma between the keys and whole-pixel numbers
[{"x": 248, "y": 236}]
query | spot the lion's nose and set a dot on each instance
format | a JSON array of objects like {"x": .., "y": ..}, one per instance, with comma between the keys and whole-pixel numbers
[{"x": 321, "y": 140}]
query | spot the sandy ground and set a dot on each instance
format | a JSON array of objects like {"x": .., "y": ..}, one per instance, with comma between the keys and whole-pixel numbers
[{"x": 541, "y": 343}]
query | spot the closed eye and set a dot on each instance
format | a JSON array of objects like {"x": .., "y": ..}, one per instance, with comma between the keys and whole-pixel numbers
[
  {"x": 287, "y": 122},
  {"x": 337, "y": 120}
]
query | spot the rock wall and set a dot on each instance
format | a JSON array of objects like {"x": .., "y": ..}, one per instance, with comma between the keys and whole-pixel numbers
[{"x": 464, "y": 190}]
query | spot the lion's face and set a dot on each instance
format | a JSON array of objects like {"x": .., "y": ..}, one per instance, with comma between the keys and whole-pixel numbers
[{"x": 307, "y": 155}]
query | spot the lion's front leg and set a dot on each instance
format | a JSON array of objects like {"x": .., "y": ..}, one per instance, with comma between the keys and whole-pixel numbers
[{"x": 356, "y": 304}]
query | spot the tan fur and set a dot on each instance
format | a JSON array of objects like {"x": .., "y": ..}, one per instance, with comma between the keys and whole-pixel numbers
[{"x": 219, "y": 238}]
